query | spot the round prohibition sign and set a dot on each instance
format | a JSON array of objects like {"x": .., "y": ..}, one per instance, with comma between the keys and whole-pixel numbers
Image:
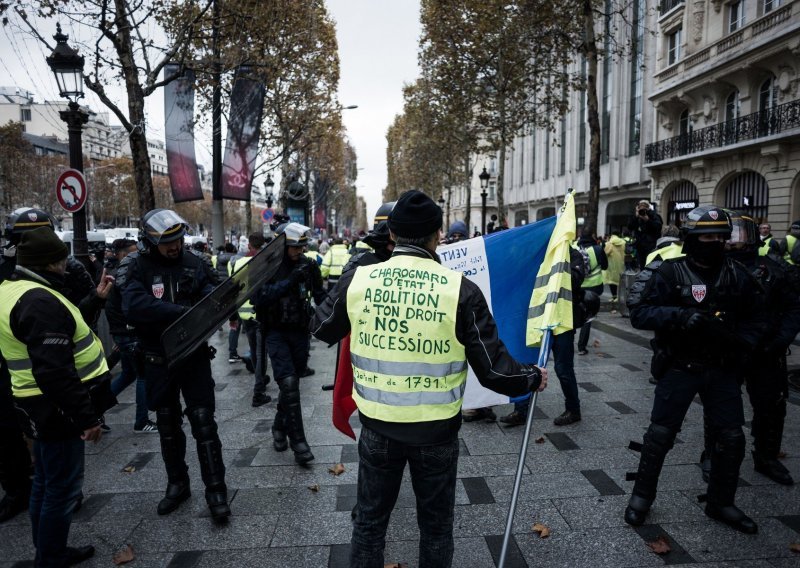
[{"x": 71, "y": 190}]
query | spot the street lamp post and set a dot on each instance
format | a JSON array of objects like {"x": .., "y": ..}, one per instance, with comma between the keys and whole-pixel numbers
[
  {"x": 67, "y": 66},
  {"x": 484, "y": 177}
]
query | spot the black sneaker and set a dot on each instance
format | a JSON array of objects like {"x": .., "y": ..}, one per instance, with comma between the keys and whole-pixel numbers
[
  {"x": 308, "y": 372},
  {"x": 148, "y": 427},
  {"x": 261, "y": 399},
  {"x": 234, "y": 358},
  {"x": 568, "y": 417}
]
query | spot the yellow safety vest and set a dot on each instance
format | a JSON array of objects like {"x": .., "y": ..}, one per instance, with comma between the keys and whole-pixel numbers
[
  {"x": 363, "y": 246},
  {"x": 246, "y": 311},
  {"x": 672, "y": 251},
  {"x": 791, "y": 241},
  {"x": 90, "y": 361},
  {"x": 595, "y": 276},
  {"x": 763, "y": 248},
  {"x": 334, "y": 261},
  {"x": 408, "y": 365}
]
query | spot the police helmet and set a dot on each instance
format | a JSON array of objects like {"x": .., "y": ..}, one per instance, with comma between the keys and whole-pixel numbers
[
  {"x": 707, "y": 220},
  {"x": 161, "y": 226},
  {"x": 296, "y": 234},
  {"x": 744, "y": 229},
  {"x": 25, "y": 219},
  {"x": 379, "y": 236},
  {"x": 382, "y": 214}
]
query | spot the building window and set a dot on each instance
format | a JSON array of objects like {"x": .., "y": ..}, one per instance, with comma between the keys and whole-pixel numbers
[
  {"x": 533, "y": 156},
  {"x": 732, "y": 106},
  {"x": 637, "y": 64},
  {"x": 685, "y": 131},
  {"x": 674, "y": 46},
  {"x": 562, "y": 164},
  {"x": 769, "y": 5},
  {"x": 608, "y": 61},
  {"x": 583, "y": 120},
  {"x": 547, "y": 154},
  {"x": 25, "y": 114},
  {"x": 768, "y": 95},
  {"x": 735, "y": 15}
]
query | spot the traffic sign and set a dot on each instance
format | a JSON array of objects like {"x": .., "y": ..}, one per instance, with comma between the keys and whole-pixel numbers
[
  {"x": 71, "y": 190},
  {"x": 267, "y": 214}
]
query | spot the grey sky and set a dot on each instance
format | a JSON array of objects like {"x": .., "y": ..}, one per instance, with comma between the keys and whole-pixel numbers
[{"x": 378, "y": 54}]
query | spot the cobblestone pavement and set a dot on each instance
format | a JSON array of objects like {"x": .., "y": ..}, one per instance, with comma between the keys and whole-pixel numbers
[{"x": 575, "y": 483}]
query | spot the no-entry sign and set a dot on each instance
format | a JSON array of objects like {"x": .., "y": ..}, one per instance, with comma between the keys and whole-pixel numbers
[
  {"x": 71, "y": 190},
  {"x": 267, "y": 214}
]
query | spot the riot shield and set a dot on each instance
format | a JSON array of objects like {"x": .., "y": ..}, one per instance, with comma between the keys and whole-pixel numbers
[{"x": 190, "y": 330}]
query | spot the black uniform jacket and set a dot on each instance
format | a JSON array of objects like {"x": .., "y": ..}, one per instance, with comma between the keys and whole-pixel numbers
[
  {"x": 495, "y": 368},
  {"x": 43, "y": 323}
]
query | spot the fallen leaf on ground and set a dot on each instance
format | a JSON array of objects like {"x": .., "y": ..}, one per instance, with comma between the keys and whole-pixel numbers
[
  {"x": 660, "y": 545},
  {"x": 314, "y": 487},
  {"x": 123, "y": 556},
  {"x": 795, "y": 547},
  {"x": 338, "y": 469},
  {"x": 596, "y": 343},
  {"x": 129, "y": 468},
  {"x": 539, "y": 440},
  {"x": 544, "y": 531}
]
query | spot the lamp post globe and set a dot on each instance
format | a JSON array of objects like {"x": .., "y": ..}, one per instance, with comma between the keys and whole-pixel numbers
[
  {"x": 268, "y": 185},
  {"x": 67, "y": 66}
]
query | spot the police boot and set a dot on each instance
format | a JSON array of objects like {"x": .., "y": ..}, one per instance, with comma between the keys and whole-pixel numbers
[
  {"x": 279, "y": 440},
  {"x": 768, "y": 433},
  {"x": 209, "y": 452},
  {"x": 708, "y": 449},
  {"x": 658, "y": 440},
  {"x": 173, "y": 450},
  {"x": 725, "y": 462},
  {"x": 290, "y": 392}
]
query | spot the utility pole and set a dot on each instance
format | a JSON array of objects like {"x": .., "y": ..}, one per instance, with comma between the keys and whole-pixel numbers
[{"x": 217, "y": 221}]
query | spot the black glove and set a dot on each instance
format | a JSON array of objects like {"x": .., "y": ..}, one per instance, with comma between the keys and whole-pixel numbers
[{"x": 694, "y": 320}]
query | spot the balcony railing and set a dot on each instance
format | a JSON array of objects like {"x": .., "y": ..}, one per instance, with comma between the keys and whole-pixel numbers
[
  {"x": 667, "y": 6},
  {"x": 757, "y": 125}
]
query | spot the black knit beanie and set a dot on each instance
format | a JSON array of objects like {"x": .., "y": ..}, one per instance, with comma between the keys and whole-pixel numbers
[
  {"x": 415, "y": 215},
  {"x": 40, "y": 247}
]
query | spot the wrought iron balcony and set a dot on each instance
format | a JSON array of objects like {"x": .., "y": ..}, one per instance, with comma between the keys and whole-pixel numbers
[{"x": 757, "y": 125}]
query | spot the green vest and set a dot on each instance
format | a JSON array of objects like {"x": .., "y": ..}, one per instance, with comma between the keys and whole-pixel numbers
[
  {"x": 408, "y": 365},
  {"x": 671, "y": 251},
  {"x": 90, "y": 361},
  {"x": 791, "y": 241},
  {"x": 246, "y": 311},
  {"x": 595, "y": 276}
]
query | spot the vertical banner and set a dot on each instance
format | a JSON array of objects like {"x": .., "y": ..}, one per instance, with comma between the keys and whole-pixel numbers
[
  {"x": 321, "y": 204},
  {"x": 179, "y": 132},
  {"x": 241, "y": 145}
]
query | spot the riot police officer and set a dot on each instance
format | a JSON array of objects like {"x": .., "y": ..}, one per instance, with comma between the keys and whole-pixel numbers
[
  {"x": 284, "y": 310},
  {"x": 157, "y": 285},
  {"x": 705, "y": 319},
  {"x": 765, "y": 374}
]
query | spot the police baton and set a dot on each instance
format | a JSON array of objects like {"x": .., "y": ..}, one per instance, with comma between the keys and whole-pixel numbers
[{"x": 544, "y": 351}]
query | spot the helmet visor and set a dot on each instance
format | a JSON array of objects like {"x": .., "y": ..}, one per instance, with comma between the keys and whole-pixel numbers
[{"x": 165, "y": 226}]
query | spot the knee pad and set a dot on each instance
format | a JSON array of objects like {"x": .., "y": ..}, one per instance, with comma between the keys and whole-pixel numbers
[
  {"x": 204, "y": 427},
  {"x": 290, "y": 389},
  {"x": 660, "y": 436}
]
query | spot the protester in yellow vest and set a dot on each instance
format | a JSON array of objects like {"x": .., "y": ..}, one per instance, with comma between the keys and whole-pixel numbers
[
  {"x": 414, "y": 326},
  {"x": 668, "y": 246},
  {"x": 615, "y": 251},
  {"x": 60, "y": 383},
  {"x": 333, "y": 262},
  {"x": 788, "y": 247},
  {"x": 768, "y": 244},
  {"x": 592, "y": 283},
  {"x": 251, "y": 328}
]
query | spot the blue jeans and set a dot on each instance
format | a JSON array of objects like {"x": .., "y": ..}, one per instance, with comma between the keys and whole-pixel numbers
[
  {"x": 380, "y": 473},
  {"x": 563, "y": 348},
  {"x": 127, "y": 348},
  {"x": 233, "y": 338},
  {"x": 57, "y": 483}
]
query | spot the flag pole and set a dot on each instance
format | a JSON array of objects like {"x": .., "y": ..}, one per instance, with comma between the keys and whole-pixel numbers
[{"x": 544, "y": 351}]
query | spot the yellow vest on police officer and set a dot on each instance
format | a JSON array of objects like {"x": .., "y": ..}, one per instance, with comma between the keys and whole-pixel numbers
[
  {"x": 90, "y": 361},
  {"x": 246, "y": 311},
  {"x": 408, "y": 365}
]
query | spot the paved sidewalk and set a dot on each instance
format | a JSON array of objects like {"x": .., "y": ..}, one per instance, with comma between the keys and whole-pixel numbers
[{"x": 574, "y": 483}]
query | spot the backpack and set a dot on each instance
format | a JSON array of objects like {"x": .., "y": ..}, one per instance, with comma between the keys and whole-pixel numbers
[{"x": 587, "y": 262}]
